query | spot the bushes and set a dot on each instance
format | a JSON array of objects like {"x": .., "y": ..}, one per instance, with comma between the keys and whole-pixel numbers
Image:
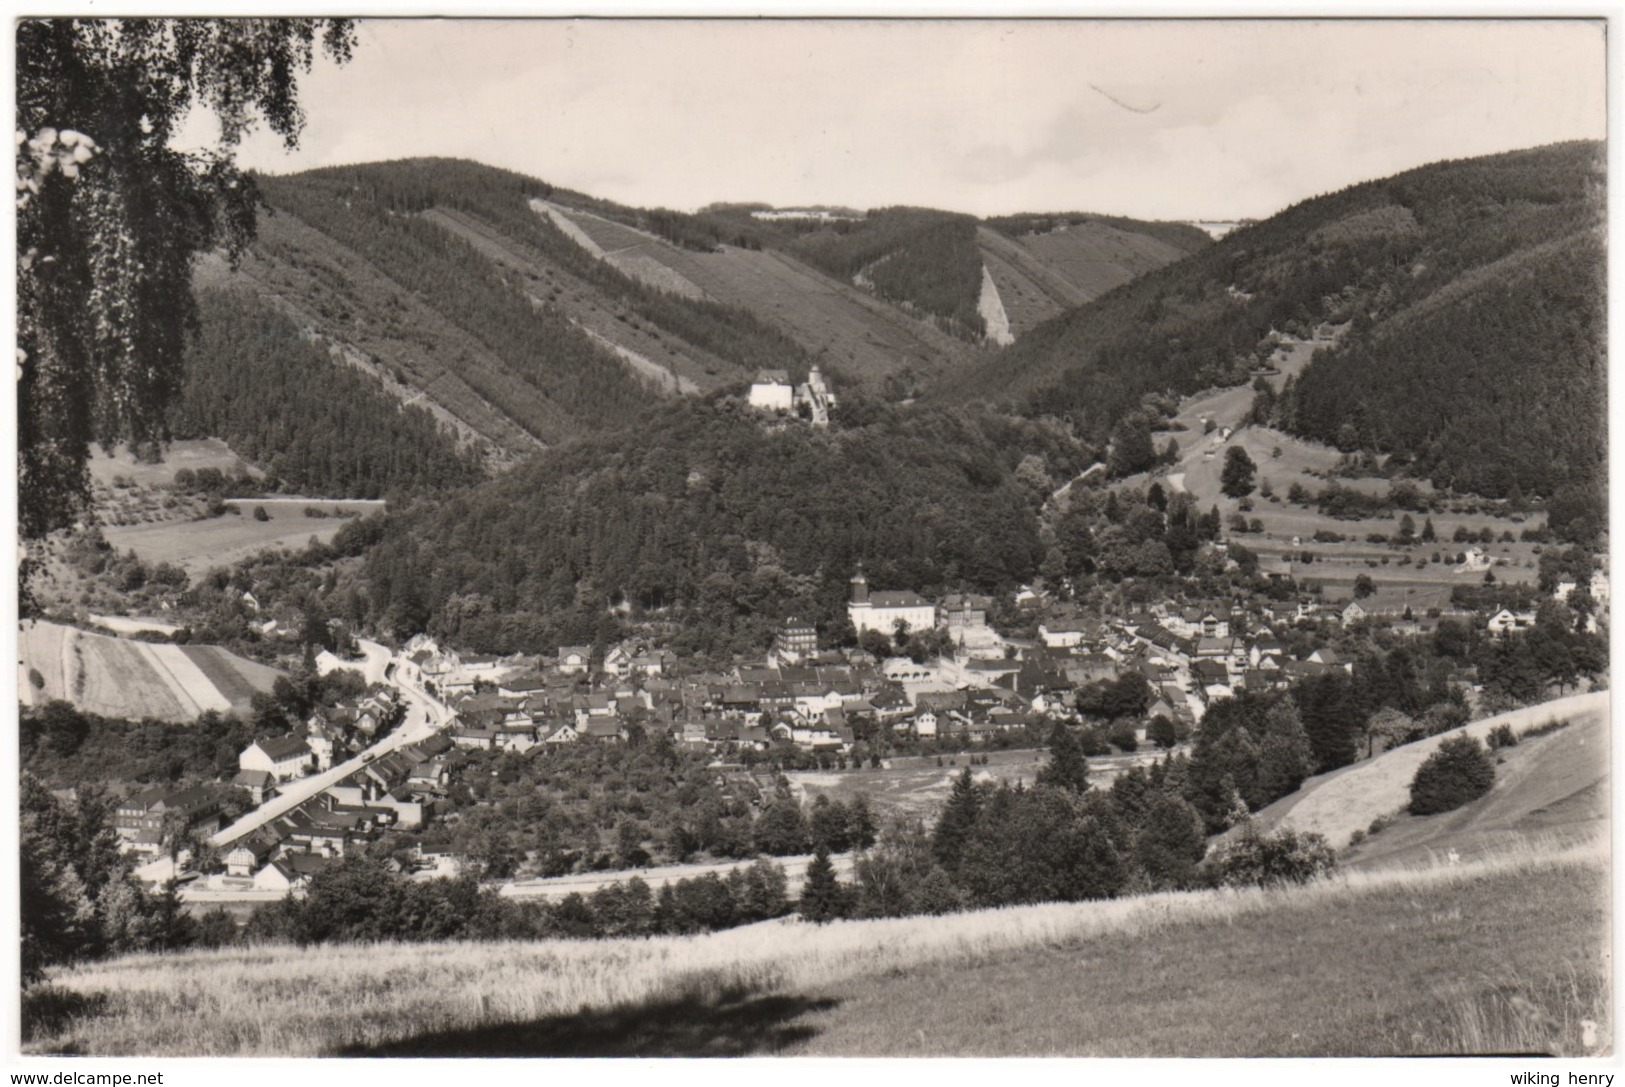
[
  {"x": 1460, "y": 771},
  {"x": 1502, "y": 736},
  {"x": 358, "y": 899},
  {"x": 1549, "y": 726},
  {"x": 1269, "y": 860},
  {"x": 1124, "y": 736}
]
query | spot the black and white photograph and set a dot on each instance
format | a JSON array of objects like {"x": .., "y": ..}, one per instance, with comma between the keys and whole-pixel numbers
[{"x": 803, "y": 537}]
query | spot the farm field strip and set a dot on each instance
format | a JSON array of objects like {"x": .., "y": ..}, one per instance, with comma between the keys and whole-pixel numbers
[
  {"x": 133, "y": 624},
  {"x": 185, "y": 679},
  {"x": 198, "y": 546},
  {"x": 228, "y": 675},
  {"x": 118, "y": 677},
  {"x": 122, "y": 681}
]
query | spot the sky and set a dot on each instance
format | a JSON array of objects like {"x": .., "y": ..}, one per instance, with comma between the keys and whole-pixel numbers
[{"x": 1164, "y": 120}]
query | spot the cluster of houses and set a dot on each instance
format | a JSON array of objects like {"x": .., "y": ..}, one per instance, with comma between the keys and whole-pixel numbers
[
  {"x": 148, "y": 821},
  {"x": 1190, "y": 653},
  {"x": 819, "y": 701},
  {"x": 399, "y": 790},
  {"x": 330, "y": 736}
]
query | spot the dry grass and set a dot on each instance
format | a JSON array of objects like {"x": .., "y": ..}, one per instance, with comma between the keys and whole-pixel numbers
[
  {"x": 1567, "y": 1014},
  {"x": 1347, "y": 800},
  {"x": 1492, "y": 962},
  {"x": 288, "y": 1001}
]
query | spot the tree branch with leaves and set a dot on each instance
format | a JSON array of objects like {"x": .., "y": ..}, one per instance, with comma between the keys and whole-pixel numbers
[{"x": 111, "y": 215}]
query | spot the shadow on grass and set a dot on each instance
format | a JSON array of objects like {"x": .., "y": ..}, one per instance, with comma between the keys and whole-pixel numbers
[
  {"x": 734, "y": 1022},
  {"x": 49, "y": 1011}
]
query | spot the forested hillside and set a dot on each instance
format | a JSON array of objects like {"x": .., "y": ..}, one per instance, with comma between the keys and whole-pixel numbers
[
  {"x": 320, "y": 428},
  {"x": 705, "y": 517},
  {"x": 370, "y": 211},
  {"x": 924, "y": 260},
  {"x": 1472, "y": 295},
  {"x": 930, "y": 262},
  {"x": 528, "y": 315}
]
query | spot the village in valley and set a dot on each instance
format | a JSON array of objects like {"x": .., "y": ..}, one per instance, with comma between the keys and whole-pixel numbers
[
  {"x": 925, "y": 677},
  {"x": 578, "y": 607},
  {"x": 383, "y": 768}
]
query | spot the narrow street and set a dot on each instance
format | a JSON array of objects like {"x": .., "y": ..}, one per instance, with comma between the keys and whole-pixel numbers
[{"x": 425, "y": 715}]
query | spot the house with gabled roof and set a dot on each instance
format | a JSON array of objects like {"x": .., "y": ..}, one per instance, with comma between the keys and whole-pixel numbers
[
  {"x": 884, "y": 610},
  {"x": 605, "y": 729},
  {"x": 474, "y": 739},
  {"x": 260, "y": 784},
  {"x": 772, "y": 391},
  {"x": 1507, "y": 621},
  {"x": 139, "y": 819},
  {"x": 562, "y": 732},
  {"x": 290, "y": 872},
  {"x": 283, "y": 757},
  {"x": 1064, "y": 633},
  {"x": 249, "y": 855}
]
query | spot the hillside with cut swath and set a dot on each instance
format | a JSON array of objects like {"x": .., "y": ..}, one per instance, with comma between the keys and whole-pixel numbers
[
  {"x": 521, "y": 315},
  {"x": 1472, "y": 292}
]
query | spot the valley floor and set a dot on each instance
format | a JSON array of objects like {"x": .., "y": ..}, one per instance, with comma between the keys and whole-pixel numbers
[{"x": 1501, "y": 955}]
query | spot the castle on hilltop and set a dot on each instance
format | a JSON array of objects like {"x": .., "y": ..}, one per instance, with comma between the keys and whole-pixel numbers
[{"x": 811, "y": 400}]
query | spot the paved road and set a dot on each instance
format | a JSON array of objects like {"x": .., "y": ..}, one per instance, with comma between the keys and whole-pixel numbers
[
  {"x": 584, "y": 883},
  {"x": 425, "y": 715},
  {"x": 587, "y": 882}
]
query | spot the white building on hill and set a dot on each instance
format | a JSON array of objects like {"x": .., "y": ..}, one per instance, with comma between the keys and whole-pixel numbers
[
  {"x": 818, "y": 397},
  {"x": 813, "y": 399},
  {"x": 772, "y": 391},
  {"x": 882, "y": 611}
]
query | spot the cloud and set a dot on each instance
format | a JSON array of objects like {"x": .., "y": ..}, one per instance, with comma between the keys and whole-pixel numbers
[{"x": 1165, "y": 119}]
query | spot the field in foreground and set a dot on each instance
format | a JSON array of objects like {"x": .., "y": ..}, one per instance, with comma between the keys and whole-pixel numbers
[{"x": 1501, "y": 955}]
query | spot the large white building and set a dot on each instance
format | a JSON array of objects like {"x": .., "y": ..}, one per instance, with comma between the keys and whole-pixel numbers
[
  {"x": 772, "y": 391},
  {"x": 284, "y": 758},
  {"x": 882, "y": 611}
]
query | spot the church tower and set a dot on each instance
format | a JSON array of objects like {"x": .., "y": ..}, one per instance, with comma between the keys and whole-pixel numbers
[{"x": 860, "y": 588}]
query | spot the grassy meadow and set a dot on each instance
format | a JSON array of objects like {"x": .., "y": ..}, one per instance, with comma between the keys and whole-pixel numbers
[
  {"x": 1503, "y": 954},
  {"x": 198, "y": 546},
  {"x": 121, "y": 465},
  {"x": 1537, "y": 774}
]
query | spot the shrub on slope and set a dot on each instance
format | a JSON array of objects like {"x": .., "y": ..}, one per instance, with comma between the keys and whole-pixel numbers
[{"x": 1459, "y": 772}]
